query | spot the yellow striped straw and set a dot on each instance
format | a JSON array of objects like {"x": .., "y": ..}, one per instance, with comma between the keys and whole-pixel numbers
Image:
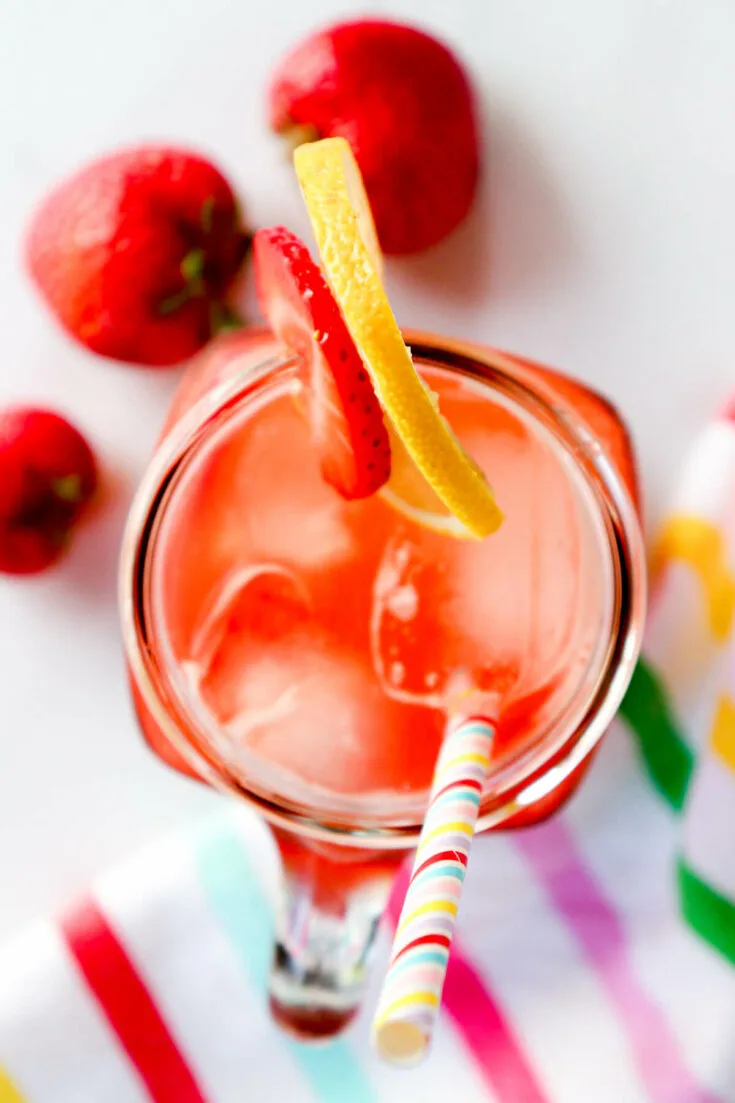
[{"x": 411, "y": 994}]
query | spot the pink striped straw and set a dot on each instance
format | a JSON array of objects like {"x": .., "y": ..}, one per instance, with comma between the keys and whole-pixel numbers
[{"x": 411, "y": 994}]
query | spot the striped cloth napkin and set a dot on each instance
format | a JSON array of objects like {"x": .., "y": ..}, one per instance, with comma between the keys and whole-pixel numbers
[
  {"x": 681, "y": 704},
  {"x": 594, "y": 954}
]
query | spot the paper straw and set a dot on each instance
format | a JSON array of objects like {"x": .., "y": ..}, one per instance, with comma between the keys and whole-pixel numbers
[{"x": 409, "y": 1001}]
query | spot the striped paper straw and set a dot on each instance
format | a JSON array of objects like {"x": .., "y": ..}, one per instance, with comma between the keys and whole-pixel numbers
[{"x": 409, "y": 1001}]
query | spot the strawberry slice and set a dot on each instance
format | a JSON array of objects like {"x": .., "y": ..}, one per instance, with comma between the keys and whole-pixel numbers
[{"x": 345, "y": 415}]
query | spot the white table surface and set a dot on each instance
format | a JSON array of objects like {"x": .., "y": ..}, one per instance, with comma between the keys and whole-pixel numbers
[{"x": 603, "y": 242}]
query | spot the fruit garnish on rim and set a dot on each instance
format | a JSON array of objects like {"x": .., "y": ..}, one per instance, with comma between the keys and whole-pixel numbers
[
  {"x": 342, "y": 222},
  {"x": 357, "y": 451},
  {"x": 345, "y": 416}
]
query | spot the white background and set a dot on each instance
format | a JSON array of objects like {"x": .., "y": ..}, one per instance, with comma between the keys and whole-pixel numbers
[{"x": 603, "y": 243}]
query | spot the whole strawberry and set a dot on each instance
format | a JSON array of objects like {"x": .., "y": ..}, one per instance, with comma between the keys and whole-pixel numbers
[
  {"x": 136, "y": 253},
  {"x": 47, "y": 476},
  {"x": 404, "y": 104}
]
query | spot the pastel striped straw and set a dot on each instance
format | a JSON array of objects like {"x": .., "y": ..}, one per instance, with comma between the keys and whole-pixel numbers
[{"x": 411, "y": 994}]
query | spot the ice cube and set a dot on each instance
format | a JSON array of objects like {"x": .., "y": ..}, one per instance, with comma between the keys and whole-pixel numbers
[
  {"x": 254, "y": 496},
  {"x": 277, "y": 502},
  {"x": 466, "y": 622},
  {"x": 283, "y": 694},
  {"x": 252, "y": 606}
]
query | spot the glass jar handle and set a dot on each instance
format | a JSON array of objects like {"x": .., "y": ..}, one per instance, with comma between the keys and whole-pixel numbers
[{"x": 329, "y": 916}]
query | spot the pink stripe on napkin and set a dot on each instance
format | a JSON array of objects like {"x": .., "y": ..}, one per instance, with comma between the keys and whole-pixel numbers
[{"x": 577, "y": 895}]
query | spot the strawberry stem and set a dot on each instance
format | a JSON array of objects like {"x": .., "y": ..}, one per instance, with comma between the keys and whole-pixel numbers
[
  {"x": 207, "y": 214},
  {"x": 223, "y": 318},
  {"x": 68, "y": 488},
  {"x": 296, "y": 134},
  {"x": 192, "y": 269},
  {"x": 173, "y": 302}
]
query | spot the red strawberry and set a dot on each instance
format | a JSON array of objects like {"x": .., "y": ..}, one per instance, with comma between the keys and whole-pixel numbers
[
  {"x": 404, "y": 104},
  {"x": 136, "y": 252},
  {"x": 47, "y": 476},
  {"x": 345, "y": 415}
]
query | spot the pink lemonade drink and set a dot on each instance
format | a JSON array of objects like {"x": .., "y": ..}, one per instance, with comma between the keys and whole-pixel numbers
[{"x": 306, "y": 652}]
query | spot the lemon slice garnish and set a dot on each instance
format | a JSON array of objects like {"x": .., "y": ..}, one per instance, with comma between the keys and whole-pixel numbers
[
  {"x": 345, "y": 234},
  {"x": 408, "y": 492}
]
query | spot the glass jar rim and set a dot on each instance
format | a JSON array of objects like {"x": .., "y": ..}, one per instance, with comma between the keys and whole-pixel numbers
[{"x": 535, "y": 776}]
